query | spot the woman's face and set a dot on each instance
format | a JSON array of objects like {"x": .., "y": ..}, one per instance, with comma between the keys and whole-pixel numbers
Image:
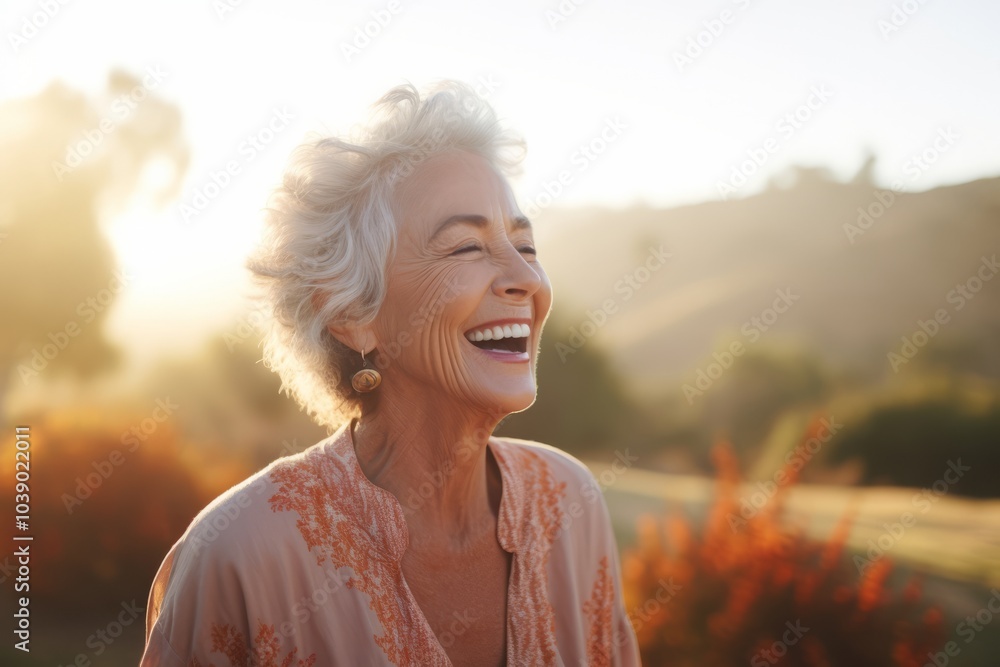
[{"x": 465, "y": 263}]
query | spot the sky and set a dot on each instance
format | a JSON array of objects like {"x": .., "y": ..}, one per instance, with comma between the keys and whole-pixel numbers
[{"x": 670, "y": 98}]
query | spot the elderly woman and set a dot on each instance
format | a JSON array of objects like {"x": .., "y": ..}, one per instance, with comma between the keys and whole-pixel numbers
[{"x": 408, "y": 303}]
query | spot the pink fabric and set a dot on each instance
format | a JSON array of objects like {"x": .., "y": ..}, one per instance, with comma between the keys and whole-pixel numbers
[{"x": 300, "y": 565}]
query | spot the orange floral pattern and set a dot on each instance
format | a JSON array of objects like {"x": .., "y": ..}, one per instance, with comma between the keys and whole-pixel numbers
[
  {"x": 598, "y": 612},
  {"x": 265, "y": 651},
  {"x": 530, "y": 515},
  {"x": 328, "y": 493}
]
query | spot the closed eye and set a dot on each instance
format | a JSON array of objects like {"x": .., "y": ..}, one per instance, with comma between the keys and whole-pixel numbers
[{"x": 474, "y": 247}]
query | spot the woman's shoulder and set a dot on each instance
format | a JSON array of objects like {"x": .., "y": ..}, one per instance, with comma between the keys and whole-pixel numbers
[
  {"x": 562, "y": 465},
  {"x": 246, "y": 510},
  {"x": 558, "y": 486},
  {"x": 215, "y": 568},
  {"x": 244, "y": 528},
  {"x": 556, "y": 497}
]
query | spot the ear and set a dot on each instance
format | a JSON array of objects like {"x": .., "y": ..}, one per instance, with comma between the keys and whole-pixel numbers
[{"x": 356, "y": 337}]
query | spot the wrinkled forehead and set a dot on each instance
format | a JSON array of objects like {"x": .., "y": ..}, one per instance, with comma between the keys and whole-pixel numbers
[{"x": 448, "y": 184}]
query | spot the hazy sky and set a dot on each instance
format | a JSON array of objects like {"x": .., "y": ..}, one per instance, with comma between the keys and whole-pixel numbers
[{"x": 679, "y": 106}]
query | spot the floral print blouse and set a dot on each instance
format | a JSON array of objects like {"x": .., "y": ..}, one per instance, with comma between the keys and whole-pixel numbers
[{"x": 300, "y": 565}]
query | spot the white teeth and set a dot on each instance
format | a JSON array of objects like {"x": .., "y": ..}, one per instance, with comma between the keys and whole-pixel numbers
[{"x": 496, "y": 333}]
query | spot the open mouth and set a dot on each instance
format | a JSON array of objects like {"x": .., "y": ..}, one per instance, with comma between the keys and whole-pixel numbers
[{"x": 511, "y": 338}]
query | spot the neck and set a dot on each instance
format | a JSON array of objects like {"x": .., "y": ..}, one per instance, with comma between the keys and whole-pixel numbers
[{"x": 437, "y": 463}]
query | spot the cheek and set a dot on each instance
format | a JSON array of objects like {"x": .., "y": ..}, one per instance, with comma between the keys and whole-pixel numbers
[
  {"x": 423, "y": 318},
  {"x": 543, "y": 297}
]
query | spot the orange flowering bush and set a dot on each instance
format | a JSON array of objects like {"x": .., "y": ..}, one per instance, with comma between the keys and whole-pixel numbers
[
  {"x": 755, "y": 590},
  {"x": 106, "y": 505}
]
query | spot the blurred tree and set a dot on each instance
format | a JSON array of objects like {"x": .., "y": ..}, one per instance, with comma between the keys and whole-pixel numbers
[
  {"x": 865, "y": 174},
  {"x": 70, "y": 163},
  {"x": 965, "y": 353},
  {"x": 762, "y": 384},
  {"x": 912, "y": 444},
  {"x": 229, "y": 398}
]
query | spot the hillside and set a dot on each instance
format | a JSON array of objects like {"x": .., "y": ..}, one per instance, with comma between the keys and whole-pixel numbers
[{"x": 856, "y": 296}]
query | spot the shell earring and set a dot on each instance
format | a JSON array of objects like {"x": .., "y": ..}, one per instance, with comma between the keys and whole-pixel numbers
[{"x": 367, "y": 379}]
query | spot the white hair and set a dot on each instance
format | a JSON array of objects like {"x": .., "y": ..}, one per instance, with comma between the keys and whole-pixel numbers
[{"x": 330, "y": 234}]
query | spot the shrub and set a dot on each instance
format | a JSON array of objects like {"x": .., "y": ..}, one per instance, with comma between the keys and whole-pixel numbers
[{"x": 757, "y": 590}]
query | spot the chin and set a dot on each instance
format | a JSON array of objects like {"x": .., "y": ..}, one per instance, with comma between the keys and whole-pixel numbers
[{"x": 510, "y": 402}]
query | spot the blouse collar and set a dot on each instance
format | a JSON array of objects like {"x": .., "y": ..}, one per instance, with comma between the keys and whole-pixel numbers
[{"x": 381, "y": 515}]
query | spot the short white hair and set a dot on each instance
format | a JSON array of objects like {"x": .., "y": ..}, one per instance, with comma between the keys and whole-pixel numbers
[{"x": 330, "y": 230}]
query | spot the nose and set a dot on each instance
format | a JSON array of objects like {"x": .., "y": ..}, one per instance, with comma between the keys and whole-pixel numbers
[{"x": 517, "y": 278}]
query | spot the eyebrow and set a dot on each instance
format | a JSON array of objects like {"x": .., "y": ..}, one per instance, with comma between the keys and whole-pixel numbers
[{"x": 520, "y": 222}]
